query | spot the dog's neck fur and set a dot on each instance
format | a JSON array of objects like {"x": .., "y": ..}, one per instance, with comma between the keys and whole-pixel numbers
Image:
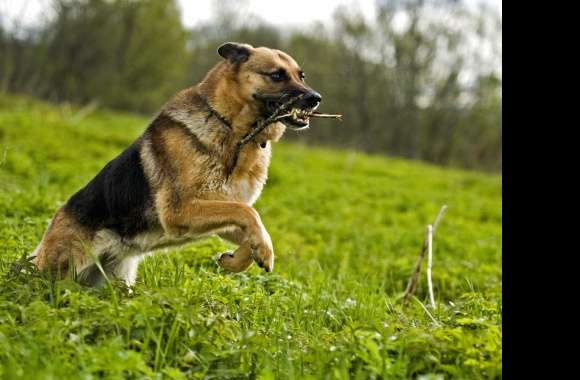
[{"x": 217, "y": 89}]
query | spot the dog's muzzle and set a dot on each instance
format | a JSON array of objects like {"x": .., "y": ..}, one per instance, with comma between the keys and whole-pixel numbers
[{"x": 298, "y": 118}]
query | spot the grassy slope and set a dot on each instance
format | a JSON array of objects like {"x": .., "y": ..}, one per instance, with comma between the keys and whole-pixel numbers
[{"x": 346, "y": 228}]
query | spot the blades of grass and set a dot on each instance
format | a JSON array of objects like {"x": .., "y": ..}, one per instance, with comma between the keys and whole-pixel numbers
[
  {"x": 427, "y": 312},
  {"x": 175, "y": 327},
  {"x": 158, "y": 350},
  {"x": 108, "y": 282}
]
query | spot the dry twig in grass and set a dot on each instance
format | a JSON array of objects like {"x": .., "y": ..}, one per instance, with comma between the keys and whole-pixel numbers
[
  {"x": 430, "y": 263},
  {"x": 427, "y": 243}
]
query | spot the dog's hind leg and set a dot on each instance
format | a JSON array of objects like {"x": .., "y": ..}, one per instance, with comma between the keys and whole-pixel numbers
[
  {"x": 124, "y": 269},
  {"x": 64, "y": 248},
  {"x": 93, "y": 275}
]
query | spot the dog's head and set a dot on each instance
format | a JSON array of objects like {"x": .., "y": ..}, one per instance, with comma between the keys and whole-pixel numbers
[{"x": 267, "y": 78}]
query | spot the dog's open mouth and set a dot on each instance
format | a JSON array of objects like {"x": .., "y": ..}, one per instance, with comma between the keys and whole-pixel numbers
[{"x": 295, "y": 118}]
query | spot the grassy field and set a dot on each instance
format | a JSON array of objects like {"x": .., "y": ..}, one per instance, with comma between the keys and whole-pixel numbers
[{"x": 346, "y": 227}]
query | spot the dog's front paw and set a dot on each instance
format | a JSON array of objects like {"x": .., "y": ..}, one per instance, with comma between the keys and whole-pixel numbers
[
  {"x": 224, "y": 260},
  {"x": 234, "y": 261},
  {"x": 263, "y": 255}
]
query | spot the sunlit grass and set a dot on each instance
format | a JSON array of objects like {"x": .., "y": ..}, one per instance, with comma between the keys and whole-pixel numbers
[{"x": 347, "y": 229}]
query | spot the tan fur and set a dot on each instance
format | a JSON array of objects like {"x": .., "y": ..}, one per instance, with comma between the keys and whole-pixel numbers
[
  {"x": 67, "y": 237},
  {"x": 187, "y": 168}
]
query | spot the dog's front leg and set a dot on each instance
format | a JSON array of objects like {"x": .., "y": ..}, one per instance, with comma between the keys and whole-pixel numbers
[{"x": 202, "y": 217}]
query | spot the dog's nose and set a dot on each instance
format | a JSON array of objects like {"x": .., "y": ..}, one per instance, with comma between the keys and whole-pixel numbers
[{"x": 312, "y": 99}]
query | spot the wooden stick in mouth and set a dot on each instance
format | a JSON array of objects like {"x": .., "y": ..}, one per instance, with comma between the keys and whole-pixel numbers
[
  {"x": 296, "y": 112},
  {"x": 326, "y": 115},
  {"x": 274, "y": 117}
]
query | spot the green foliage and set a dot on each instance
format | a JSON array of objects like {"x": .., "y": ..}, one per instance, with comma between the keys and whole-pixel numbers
[
  {"x": 125, "y": 54},
  {"x": 346, "y": 226},
  {"x": 398, "y": 87},
  {"x": 397, "y": 84}
]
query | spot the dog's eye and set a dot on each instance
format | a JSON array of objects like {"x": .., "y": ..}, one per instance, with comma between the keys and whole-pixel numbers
[
  {"x": 278, "y": 76},
  {"x": 302, "y": 76}
]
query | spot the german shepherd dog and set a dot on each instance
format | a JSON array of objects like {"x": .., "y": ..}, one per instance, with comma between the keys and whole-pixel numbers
[{"x": 183, "y": 179}]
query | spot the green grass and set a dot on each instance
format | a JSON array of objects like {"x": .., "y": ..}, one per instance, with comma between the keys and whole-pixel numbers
[{"x": 347, "y": 229}]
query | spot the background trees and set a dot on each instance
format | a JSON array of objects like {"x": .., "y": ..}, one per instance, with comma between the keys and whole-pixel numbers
[
  {"x": 122, "y": 54},
  {"x": 417, "y": 81}
]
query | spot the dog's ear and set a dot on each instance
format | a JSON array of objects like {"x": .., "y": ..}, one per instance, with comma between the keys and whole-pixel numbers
[{"x": 234, "y": 52}]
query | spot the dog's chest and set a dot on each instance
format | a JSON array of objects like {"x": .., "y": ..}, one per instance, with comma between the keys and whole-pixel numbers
[
  {"x": 249, "y": 176},
  {"x": 245, "y": 190}
]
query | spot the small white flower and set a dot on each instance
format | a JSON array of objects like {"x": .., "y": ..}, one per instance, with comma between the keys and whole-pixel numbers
[
  {"x": 190, "y": 356},
  {"x": 349, "y": 302}
]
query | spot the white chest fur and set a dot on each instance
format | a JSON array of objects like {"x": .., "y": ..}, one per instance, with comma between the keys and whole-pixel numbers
[
  {"x": 249, "y": 177},
  {"x": 246, "y": 190}
]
